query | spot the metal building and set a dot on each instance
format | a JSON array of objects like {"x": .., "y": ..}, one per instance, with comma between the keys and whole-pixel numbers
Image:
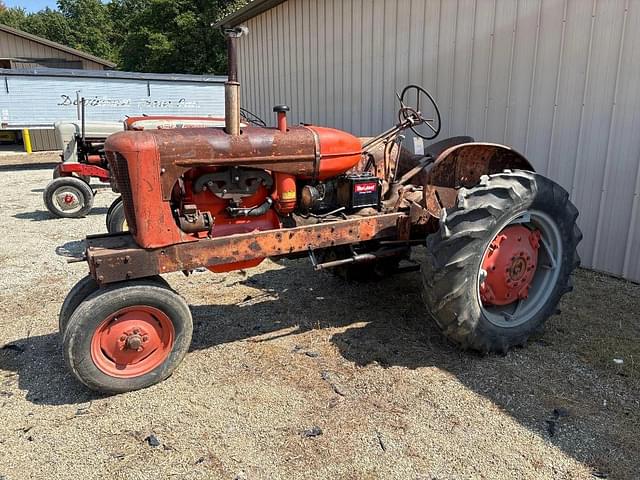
[
  {"x": 20, "y": 49},
  {"x": 559, "y": 80}
]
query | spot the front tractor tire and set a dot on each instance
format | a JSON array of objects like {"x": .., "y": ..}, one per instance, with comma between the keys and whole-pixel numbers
[
  {"x": 501, "y": 260},
  {"x": 127, "y": 336},
  {"x": 68, "y": 197},
  {"x": 116, "y": 219},
  {"x": 84, "y": 288}
]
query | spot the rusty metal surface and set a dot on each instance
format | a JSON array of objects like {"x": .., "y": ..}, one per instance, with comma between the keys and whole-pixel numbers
[
  {"x": 115, "y": 258},
  {"x": 292, "y": 152},
  {"x": 463, "y": 165},
  {"x": 437, "y": 198}
]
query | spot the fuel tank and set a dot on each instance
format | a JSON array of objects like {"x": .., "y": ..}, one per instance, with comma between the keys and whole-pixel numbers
[{"x": 305, "y": 151}]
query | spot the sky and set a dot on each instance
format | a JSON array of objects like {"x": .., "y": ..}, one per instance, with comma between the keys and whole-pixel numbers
[{"x": 31, "y": 5}]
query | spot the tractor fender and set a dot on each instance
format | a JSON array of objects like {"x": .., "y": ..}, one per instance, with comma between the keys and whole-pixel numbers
[{"x": 462, "y": 165}]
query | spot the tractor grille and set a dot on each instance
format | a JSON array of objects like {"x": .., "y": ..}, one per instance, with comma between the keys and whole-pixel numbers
[{"x": 120, "y": 171}]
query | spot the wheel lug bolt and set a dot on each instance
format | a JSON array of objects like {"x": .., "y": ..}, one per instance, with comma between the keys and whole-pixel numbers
[
  {"x": 145, "y": 338},
  {"x": 123, "y": 338}
]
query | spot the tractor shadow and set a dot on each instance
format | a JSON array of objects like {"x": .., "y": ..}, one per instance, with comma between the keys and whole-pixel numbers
[
  {"x": 382, "y": 324},
  {"x": 37, "y": 366},
  {"x": 44, "y": 215},
  {"x": 386, "y": 325}
]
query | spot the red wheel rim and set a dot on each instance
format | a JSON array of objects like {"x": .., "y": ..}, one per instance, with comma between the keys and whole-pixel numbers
[
  {"x": 132, "y": 342},
  {"x": 509, "y": 265}
]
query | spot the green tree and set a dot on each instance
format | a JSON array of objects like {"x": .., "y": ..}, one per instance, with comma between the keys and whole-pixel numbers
[
  {"x": 90, "y": 26},
  {"x": 12, "y": 17},
  {"x": 49, "y": 24},
  {"x": 176, "y": 36},
  {"x": 167, "y": 36}
]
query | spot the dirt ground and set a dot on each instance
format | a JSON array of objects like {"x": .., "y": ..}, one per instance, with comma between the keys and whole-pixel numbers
[{"x": 279, "y": 351}]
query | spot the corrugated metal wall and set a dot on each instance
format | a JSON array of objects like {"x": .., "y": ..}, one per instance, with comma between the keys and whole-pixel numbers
[
  {"x": 557, "y": 79},
  {"x": 13, "y": 46}
]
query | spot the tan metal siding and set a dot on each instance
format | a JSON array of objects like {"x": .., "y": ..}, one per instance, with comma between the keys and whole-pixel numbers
[
  {"x": 13, "y": 46},
  {"x": 557, "y": 79},
  {"x": 43, "y": 140}
]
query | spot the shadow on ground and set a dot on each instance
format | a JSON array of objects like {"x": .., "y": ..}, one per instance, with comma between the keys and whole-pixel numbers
[
  {"x": 17, "y": 167},
  {"x": 72, "y": 249},
  {"x": 386, "y": 324},
  {"x": 44, "y": 215}
]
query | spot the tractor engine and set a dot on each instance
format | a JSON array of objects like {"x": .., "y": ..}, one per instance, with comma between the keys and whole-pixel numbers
[{"x": 184, "y": 185}]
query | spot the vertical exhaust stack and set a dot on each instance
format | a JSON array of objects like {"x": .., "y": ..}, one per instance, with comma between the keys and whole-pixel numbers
[{"x": 232, "y": 87}]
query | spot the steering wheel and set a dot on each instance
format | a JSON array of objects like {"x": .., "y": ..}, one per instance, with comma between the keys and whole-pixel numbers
[
  {"x": 420, "y": 107},
  {"x": 251, "y": 118}
]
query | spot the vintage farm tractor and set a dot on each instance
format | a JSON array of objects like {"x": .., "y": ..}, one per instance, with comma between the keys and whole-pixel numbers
[{"x": 501, "y": 239}]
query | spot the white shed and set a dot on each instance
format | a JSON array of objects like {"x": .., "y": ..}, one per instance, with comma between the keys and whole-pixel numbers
[{"x": 559, "y": 80}]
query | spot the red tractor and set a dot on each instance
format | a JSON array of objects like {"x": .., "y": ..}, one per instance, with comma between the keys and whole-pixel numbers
[{"x": 501, "y": 239}]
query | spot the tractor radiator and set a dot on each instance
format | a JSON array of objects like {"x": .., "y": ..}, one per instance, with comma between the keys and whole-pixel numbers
[{"x": 120, "y": 172}]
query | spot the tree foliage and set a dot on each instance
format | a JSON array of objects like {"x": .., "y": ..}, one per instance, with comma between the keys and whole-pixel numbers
[{"x": 171, "y": 36}]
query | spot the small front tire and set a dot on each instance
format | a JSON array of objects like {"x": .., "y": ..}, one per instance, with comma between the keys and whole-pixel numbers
[
  {"x": 82, "y": 290},
  {"x": 116, "y": 219},
  {"x": 127, "y": 336}
]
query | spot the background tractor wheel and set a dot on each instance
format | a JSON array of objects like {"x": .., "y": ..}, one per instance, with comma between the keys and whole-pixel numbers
[
  {"x": 501, "y": 260},
  {"x": 87, "y": 286},
  {"x": 116, "y": 220},
  {"x": 360, "y": 272},
  {"x": 127, "y": 336},
  {"x": 68, "y": 197}
]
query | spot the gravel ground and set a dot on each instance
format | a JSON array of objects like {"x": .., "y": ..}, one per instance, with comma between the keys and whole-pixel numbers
[{"x": 280, "y": 350}]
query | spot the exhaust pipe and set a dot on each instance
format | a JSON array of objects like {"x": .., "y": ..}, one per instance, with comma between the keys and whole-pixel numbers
[{"x": 232, "y": 86}]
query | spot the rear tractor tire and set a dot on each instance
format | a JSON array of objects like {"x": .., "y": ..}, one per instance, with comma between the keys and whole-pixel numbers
[
  {"x": 501, "y": 260},
  {"x": 68, "y": 197},
  {"x": 127, "y": 336},
  {"x": 116, "y": 219}
]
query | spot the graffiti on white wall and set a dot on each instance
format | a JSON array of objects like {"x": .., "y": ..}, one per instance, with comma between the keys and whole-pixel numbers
[{"x": 97, "y": 102}]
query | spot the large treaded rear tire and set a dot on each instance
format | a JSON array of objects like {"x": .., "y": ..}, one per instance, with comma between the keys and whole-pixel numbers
[{"x": 455, "y": 254}]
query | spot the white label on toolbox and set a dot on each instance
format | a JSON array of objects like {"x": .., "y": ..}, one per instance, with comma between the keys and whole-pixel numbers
[
  {"x": 418, "y": 146},
  {"x": 366, "y": 187}
]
